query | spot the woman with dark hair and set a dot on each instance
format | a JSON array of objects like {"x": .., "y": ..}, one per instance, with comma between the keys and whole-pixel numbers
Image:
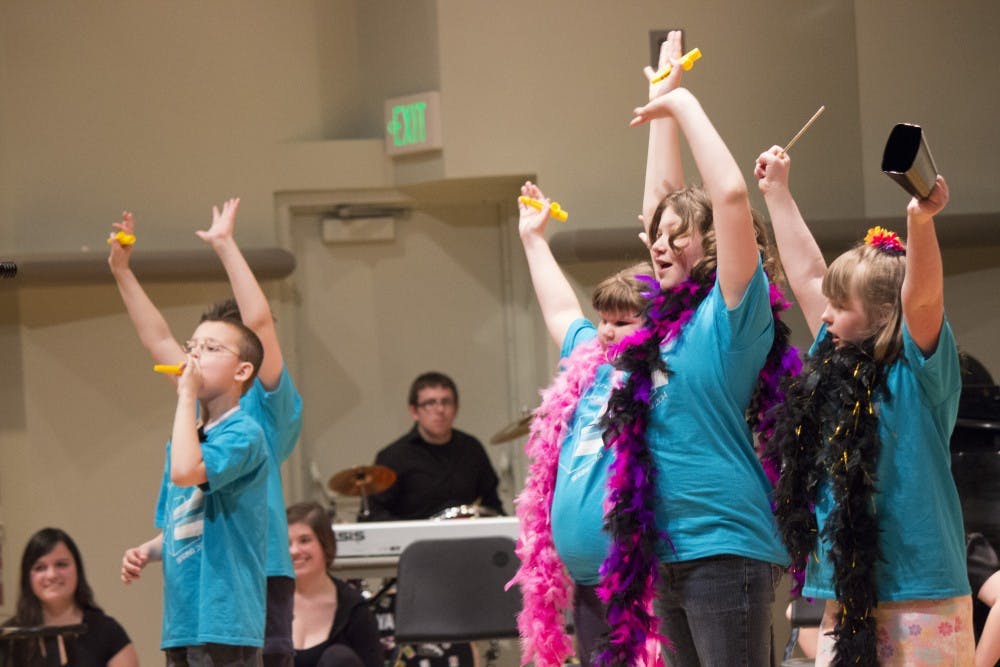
[
  {"x": 55, "y": 592},
  {"x": 332, "y": 626}
]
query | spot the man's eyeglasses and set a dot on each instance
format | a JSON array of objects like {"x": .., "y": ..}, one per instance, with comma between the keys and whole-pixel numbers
[
  {"x": 435, "y": 402},
  {"x": 208, "y": 346}
]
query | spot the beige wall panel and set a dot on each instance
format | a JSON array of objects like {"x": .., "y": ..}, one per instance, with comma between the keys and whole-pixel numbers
[{"x": 373, "y": 316}]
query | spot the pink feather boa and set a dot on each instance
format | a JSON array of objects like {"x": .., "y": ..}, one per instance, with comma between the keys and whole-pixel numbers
[{"x": 546, "y": 587}]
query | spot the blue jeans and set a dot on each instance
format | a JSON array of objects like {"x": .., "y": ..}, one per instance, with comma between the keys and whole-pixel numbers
[{"x": 717, "y": 611}]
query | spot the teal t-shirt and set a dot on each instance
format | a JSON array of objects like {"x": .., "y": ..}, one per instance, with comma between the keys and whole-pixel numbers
[
  {"x": 214, "y": 538},
  {"x": 279, "y": 414},
  {"x": 714, "y": 497},
  {"x": 920, "y": 518},
  {"x": 582, "y": 478}
]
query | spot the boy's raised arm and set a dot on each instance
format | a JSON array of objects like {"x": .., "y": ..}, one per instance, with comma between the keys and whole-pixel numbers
[
  {"x": 153, "y": 330},
  {"x": 254, "y": 308}
]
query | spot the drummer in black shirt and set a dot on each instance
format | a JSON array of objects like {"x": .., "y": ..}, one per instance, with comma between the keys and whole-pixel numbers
[{"x": 437, "y": 466}]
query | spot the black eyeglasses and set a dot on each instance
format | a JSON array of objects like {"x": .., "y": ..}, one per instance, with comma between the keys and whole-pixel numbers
[{"x": 435, "y": 402}]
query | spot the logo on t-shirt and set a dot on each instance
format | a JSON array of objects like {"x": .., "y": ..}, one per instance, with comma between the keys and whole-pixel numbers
[
  {"x": 661, "y": 379},
  {"x": 587, "y": 436},
  {"x": 591, "y": 437},
  {"x": 187, "y": 524}
]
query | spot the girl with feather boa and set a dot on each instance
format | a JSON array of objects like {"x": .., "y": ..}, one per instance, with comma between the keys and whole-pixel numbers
[
  {"x": 561, "y": 508},
  {"x": 866, "y": 502}
]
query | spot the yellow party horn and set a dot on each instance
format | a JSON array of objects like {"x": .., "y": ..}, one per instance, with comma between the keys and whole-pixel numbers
[
  {"x": 555, "y": 210},
  {"x": 123, "y": 238},
  {"x": 687, "y": 62}
]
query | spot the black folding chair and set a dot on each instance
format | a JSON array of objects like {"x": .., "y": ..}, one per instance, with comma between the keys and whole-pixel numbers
[
  {"x": 453, "y": 591},
  {"x": 805, "y": 614}
]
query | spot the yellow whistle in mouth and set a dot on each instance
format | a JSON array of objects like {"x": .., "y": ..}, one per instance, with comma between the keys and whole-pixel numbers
[
  {"x": 122, "y": 238},
  {"x": 168, "y": 369},
  {"x": 555, "y": 210},
  {"x": 687, "y": 62}
]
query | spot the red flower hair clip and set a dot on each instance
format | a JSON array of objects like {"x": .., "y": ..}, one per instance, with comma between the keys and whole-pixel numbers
[{"x": 885, "y": 240}]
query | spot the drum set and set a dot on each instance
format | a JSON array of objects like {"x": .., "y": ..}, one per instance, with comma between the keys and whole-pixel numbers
[{"x": 364, "y": 481}]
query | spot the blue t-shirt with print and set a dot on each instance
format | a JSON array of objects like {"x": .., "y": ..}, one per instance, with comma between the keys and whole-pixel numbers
[
  {"x": 713, "y": 495},
  {"x": 919, "y": 515},
  {"x": 582, "y": 478},
  {"x": 214, "y": 537},
  {"x": 279, "y": 414}
]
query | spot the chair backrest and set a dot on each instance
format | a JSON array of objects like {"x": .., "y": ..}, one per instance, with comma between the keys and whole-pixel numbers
[
  {"x": 807, "y": 613},
  {"x": 804, "y": 614},
  {"x": 453, "y": 590}
]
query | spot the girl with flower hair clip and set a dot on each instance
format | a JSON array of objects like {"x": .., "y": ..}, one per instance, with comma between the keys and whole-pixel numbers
[{"x": 866, "y": 502}]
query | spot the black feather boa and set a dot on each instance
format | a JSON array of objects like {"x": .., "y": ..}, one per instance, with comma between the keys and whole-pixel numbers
[{"x": 828, "y": 429}]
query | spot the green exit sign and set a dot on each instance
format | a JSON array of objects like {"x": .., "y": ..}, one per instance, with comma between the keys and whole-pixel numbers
[
  {"x": 413, "y": 124},
  {"x": 407, "y": 125}
]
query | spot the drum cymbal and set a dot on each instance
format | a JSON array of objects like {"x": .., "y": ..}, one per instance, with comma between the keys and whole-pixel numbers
[
  {"x": 512, "y": 431},
  {"x": 362, "y": 480}
]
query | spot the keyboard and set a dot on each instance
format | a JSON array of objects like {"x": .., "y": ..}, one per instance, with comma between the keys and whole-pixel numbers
[{"x": 372, "y": 549}]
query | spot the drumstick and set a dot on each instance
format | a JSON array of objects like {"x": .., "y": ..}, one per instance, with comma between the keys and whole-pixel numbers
[{"x": 804, "y": 128}]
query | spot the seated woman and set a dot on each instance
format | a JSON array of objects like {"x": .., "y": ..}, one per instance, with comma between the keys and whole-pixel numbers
[
  {"x": 333, "y": 625},
  {"x": 55, "y": 592}
]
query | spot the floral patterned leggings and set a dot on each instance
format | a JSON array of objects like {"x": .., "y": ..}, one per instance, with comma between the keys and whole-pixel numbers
[{"x": 914, "y": 633}]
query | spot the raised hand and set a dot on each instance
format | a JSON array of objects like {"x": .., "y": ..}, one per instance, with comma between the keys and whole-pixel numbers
[
  {"x": 661, "y": 107},
  {"x": 532, "y": 221},
  {"x": 118, "y": 256},
  {"x": 771, "y": 169},
  {"x": 922, "y": 210},
  {"x": 670, "y": 54},
  {"x": 223, "y": 223}
]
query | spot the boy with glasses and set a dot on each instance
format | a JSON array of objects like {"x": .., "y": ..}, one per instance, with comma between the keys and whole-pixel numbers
[
  {"x": 271, "y": 399},
  {"x": 213, "y": 535}
]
